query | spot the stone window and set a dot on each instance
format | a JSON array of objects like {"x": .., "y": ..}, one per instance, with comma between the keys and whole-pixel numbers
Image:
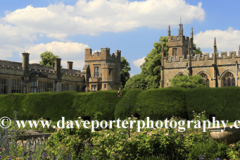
[
  {"x": 105, "y": 86},
  {"x": 96, "y": 71},
  {"x": 16, "y": 86},
  {"x": 3, "y": 86},
  {"x": 33, "y": 86},
  {"x": 228, "y": 80},
  {"x": 50, "y": 87},
  {"x": 42, "y": 86}
]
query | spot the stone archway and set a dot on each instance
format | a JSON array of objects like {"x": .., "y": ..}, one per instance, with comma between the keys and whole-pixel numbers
[
  {"x": 205, "y": 77},
  {"x": 228, "y": 80}
]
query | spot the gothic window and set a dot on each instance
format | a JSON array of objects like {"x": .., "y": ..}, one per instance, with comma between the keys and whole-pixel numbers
[
  {"x": 233, "y": 82},
  {"x": 96, "y": 71},
  {"x": 205, "y": 77},
  {"x": 228, "y": 80},
  {"x": 225, "y": 82}
]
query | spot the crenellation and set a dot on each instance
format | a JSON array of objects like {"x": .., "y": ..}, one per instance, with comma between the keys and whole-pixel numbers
[
  {"x": 222, "y": 55},
  {"x": 103, "y": 55},
  {"x": 232, "y": 54}
]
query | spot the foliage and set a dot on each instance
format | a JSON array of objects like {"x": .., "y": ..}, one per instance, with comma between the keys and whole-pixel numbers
[
  {"x": 186, "y": 81},
  {"x": 71, "y": 140},
  {"x": 125, "y": 143},
  {"x": 136, "y": 81},
  {"x": 125, "y": 68},
  {"x": 196, "y": 50},
  {"x": 47, "y": 58},
  {"x": 151, "y": 72},
  {"x": 157, "y": 103}
]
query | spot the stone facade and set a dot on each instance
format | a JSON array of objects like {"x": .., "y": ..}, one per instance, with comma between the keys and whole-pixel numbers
[
  {"x": 101, "y": 72},
  {"x": 219, "y": 70}
]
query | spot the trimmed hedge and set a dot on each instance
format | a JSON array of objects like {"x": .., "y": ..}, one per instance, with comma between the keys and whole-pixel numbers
[
  {"x": 158, "y": 104},
  {"x": 223, "y": 102},
  {"x": 128, "y": 104}
]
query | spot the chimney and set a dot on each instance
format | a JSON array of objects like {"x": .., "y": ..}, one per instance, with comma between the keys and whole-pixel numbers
[
  {"x": 57, "y": 67},
  {"x": 70, "y": 65},
  {"x": 25, "y": 61}
]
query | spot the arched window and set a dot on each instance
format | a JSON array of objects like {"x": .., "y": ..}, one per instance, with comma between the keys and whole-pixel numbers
[
  {"x": 225, "y": 82},
  {"x": 228, "y": 80},
  {"x": 205, "y": 77},
  {"x": 233, "y": 82}
]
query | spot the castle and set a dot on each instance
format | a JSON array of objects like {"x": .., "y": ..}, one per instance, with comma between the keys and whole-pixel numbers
[
  {"x": 101, "y": 72},
  {"x": 218, "y": 70}
]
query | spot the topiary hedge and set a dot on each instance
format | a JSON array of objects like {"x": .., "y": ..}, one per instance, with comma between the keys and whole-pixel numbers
[{"x": 222, "y": 102}]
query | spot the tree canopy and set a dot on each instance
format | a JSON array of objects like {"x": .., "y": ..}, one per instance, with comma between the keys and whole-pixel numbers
[
  {"x": 136, "y": 81},
  {"x": 151, "y": 73},
  {"x": 185, "y": 81},
  {"x": 125, "y": 68},
  {"x": 47, "y": 58}
]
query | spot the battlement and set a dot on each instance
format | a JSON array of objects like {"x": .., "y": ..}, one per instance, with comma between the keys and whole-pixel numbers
[
  {"x": 104, "y": 54},
  {"x": 201, "y": 60},
  {"x": 232, "y": 54}
]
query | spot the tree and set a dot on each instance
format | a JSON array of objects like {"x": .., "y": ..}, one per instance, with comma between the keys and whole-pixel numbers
[
  {"x": 125, "y": 68},
  {"x": 185, "y": 81},
  {"x": 196, "y": 50},
  {"x": 136, "y": 81},
  {"x": 48, "y": 58},
  {"x": 150, "y": 69}
]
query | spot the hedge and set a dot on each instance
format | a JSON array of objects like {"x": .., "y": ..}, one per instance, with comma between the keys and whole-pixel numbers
[{"x": 158, "y": 104}]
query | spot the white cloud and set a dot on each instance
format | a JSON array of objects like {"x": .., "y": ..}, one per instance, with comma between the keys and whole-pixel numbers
[
  {"x": 22, "y": 27},
  {"x": 139, "y": 62},
  {"x": 69, "y": 51},
  {"x": 97, "y": 16},
  {"x": 227, "y": 40}
]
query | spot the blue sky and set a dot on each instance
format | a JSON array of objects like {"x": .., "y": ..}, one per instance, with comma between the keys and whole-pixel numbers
[{"x": 67, "y": 27}]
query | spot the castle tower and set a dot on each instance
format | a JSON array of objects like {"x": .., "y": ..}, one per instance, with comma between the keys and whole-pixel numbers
[
  {"x": 102, "y": 69},
  {"x": 179, "y": 46}
]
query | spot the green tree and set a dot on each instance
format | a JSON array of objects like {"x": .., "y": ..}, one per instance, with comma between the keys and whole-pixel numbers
[
  {"x": 196, "y": 50},
  {"x": 125, "y": 68},
  {"x": 150, "y": 68},
  {"x": 48, "y": 58},
  {"x": 186, "y": 81},
  {"x": 136, "y": 81}
]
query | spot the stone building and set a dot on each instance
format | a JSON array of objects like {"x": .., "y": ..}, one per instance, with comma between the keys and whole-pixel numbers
[
  {"x": 101, "y": 72},
  {"x": 219, "y": 70}
]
